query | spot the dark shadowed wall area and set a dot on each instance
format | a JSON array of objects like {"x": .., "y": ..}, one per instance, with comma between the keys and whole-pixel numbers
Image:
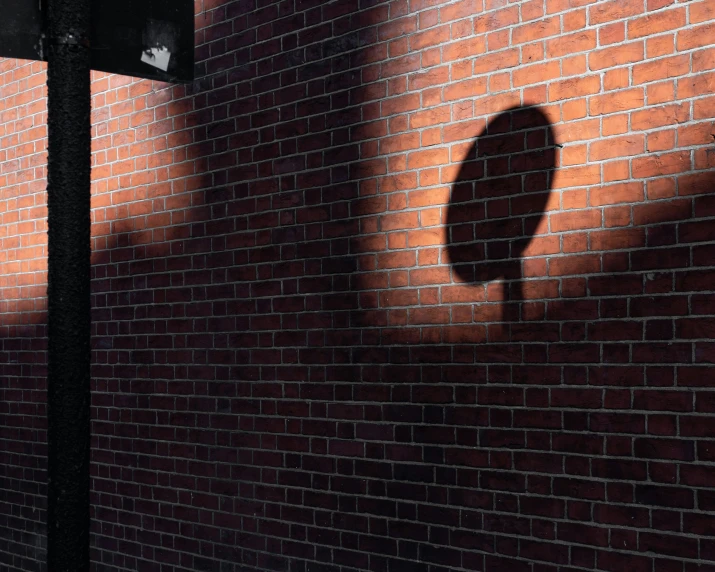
[{"x": 416, "y": 285}]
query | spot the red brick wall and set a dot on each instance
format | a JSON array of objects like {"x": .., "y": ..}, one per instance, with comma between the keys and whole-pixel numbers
[{"x": 409, "y": 285}]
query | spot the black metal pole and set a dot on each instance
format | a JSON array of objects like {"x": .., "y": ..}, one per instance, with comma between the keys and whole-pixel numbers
[{"x": 68, "y": 217}]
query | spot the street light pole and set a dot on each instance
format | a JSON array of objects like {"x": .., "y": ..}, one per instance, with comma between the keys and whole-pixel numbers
[{"x": 66, "y": 41}]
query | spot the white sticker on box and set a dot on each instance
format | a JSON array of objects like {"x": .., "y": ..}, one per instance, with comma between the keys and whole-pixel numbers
[{"x": 157, "y": 57}]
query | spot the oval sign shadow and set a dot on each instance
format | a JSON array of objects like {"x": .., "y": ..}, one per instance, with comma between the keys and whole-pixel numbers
[{"x": 498, "y": 199}]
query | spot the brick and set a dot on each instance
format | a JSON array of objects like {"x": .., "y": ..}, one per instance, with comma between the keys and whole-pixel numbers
[
  {"x": 561, "y": 5},
  {"x": 463, "y": 48},
  {"x": 465, "y": 89},
  {"x": 660, "y": 46},
  {"x": 616, "y": 79},
  {"x": 537, "y": 73},
  {"x": 429, "y": 316},
  {"x": 461, "y": 9},
  {"x": 421, "y": 277},
  {"x": 398, "y": 221},
  {"x": 431, "y": 237},
  {"x": 604, "y": 12},
  {"x": 694, "y": 37},
  {"x": 656, "y": 23},
  {"x": 396, "y": 259},
  {"x": 665, "y": 164},
  {"x": 616, "y": 147},
  {"x": 429, "y": 38},
  {"x": 400, "y": 104},
  {"x": 695, "y": 86},
  {"x": 575, "y": 220},
  {"x": 704, "y": 108},
  {"x": 496, "y": 61},
  {"x": 616, "y": 56},
  {"x": 536, "y": 30},
  {"x": 565, "y": 45},
  {"x": 434, "y": 76},
  {"x": 612, "y": 33},
  {"x": 615, "y": 125},
  {"x": 703, "y": 60},
  {"x": 496, "y": 20},
  {"x": 398, "y": 66},
  {"x": 421, "y": 159},
  {"x": 662, "y": 211},
  {"x": 402, "y": 142},
  {"x": 664, "y": 115},
  {"x": 616, "y": 101},
  {"x": 575, "y": 109},
  {"x": 451, "y": 294},
  {"x": 702, "y": 11},
  {"x": 668, "y": 545},
  {"x": 661, "y": 141},
  {"x": 577, "y": 177},
  {"x": 660, "y": 92},
  {"x": 614, "y": 194},
  {"x": 698, "y": 134},
  {"x": 462, "y": 130},
  {"x": 661, "y": 69},
  {"x": 433, "y": 116},
  {"x": 576, "y": 87}
]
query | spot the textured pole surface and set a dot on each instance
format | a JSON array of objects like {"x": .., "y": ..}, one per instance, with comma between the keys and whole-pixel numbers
[{"x": 68, "y": 198}]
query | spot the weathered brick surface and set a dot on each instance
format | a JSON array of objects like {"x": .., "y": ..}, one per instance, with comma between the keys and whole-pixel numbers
[{"x": 408, "y": 285}]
